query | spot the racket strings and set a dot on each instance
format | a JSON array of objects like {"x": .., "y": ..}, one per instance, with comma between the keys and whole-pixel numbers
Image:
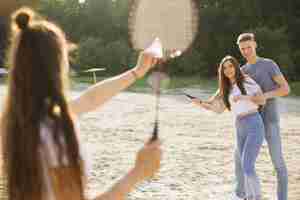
[{"x": 174, "y": 22}]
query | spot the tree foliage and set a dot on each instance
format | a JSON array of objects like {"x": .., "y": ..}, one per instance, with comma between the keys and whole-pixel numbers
[{"x": 100, "y": 28}]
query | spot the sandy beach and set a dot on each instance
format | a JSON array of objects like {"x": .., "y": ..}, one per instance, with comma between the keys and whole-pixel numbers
[{"x": 198, "y": 147}]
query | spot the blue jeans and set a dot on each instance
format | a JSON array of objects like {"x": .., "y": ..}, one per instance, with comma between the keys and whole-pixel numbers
[
  {"x": 271, "y": 121},
  {"x": 250, "y": 135}
]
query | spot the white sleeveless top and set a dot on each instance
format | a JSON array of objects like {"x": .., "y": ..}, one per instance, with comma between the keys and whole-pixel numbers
[{"x": 244, "y": 106}]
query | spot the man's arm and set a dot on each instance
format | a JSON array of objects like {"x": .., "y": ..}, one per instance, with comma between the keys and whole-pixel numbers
[{"x": 282, "y": 90}]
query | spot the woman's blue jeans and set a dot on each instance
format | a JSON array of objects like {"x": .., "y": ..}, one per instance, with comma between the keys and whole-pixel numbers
[
  {"x": 250, "y": 134},
  {"x": 270, "y": 116}
]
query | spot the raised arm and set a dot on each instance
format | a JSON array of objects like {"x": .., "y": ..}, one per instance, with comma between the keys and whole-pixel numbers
[{"x": 99, "y": 93}]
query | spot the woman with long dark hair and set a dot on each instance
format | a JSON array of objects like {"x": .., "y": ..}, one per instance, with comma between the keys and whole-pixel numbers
[
  {"x": 237, "y": 94},
  {"x": 40, "y": 147}
]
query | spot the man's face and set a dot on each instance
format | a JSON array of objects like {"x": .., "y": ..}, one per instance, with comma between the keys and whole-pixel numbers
[{"x": 248, "y": 49}]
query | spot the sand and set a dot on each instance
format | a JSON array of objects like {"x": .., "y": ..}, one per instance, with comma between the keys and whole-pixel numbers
[{"x": 198, "y": 147}]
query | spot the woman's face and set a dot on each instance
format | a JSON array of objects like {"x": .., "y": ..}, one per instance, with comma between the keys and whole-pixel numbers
[{"x": 229, "y": 70}]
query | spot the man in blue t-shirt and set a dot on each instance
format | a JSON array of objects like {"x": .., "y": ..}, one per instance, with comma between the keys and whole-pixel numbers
[{"x": 268, "y": 75}]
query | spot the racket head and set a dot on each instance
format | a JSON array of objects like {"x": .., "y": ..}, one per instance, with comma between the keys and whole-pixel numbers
[{"x": 174, "y": 22}]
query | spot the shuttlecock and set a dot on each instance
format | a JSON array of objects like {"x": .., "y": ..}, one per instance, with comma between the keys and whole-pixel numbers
[{"x": 155, "y": 48}]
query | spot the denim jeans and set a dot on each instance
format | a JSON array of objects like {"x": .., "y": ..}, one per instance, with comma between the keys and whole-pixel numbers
[
  {"x": 271, "y": 121},
  {"x": 250, "y": 135}
]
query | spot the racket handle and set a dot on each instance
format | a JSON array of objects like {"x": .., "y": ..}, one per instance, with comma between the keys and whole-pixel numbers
[
  {"x": 155, "y": 132},
  {"x": 189, "y": 96}
]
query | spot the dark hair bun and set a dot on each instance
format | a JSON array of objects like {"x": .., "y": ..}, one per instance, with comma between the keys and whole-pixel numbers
[{"x": 22, "y": 20}]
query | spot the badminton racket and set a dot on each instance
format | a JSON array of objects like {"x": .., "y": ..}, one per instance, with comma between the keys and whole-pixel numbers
[{"x": 169, "y": 27}]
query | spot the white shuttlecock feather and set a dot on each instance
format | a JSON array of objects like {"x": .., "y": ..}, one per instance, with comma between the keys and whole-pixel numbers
[{"x": 155, "y": 48}]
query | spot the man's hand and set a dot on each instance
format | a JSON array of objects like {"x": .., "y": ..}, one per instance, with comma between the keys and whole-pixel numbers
[
  {"x": 240, "y": 97},
  {"x": 259, "y": 99}
]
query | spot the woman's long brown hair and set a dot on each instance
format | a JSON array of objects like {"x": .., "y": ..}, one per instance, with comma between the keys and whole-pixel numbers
[
  {"x": 35, "y": 95},
  {"x": 224, "y": 83}
]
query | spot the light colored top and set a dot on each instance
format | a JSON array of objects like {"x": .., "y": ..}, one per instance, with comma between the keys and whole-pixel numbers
[
  {"x": 244, "y": 106},
  {"x": 240, "y": 107},
  {"x": 50, "y": 156}
]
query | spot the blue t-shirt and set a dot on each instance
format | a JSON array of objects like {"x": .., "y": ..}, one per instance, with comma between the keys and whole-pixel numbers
[{"x": 263, "y": 72}]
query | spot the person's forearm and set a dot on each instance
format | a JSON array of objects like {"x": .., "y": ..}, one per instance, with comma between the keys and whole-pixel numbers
[
  {"x": 213, "y": 98},
  {"x": 214, "y": 104},
  {"x": 259, "y": 100},
  {"x": 212, "y": 107},
  {"x": 283, "y": 90},
  {"x": 206, "y": 105},
  {"x": 102, "y": 91},
  {"x": 120, "y": 190}
]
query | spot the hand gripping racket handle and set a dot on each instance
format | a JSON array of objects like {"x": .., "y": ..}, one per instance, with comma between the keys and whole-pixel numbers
[
  {"x": 191, "y": 97},
  {"x": 155, "y": 132}
]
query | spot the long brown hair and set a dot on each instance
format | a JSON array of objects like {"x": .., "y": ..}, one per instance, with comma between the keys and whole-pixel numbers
[
  {"x": 224, "y": 83},
  {"x": 37, "y": 54}
]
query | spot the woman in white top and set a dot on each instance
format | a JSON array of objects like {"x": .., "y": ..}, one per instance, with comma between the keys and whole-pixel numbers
[
  {"x": 236, "y": 93},
  {"x": 40, "y": 148}
]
